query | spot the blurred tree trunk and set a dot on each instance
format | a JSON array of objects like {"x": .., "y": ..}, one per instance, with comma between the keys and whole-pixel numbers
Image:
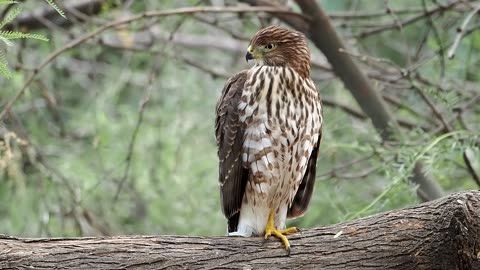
[
  {"x": 322, "y": 33},
  {"x": 441, "y": 234}
]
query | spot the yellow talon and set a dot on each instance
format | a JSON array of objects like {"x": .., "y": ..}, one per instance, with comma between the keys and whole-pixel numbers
[
  {"x": 271, "y": 230},
  {"x": 289, "y": 230},
  {"x": 270, "y": 225}
]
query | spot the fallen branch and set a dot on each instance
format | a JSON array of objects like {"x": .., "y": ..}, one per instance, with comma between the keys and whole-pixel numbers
[{"x": 440, "y": 234}]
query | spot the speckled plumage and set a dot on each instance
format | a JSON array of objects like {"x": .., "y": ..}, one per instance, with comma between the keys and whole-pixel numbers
[{"x": 268, "y": 131}]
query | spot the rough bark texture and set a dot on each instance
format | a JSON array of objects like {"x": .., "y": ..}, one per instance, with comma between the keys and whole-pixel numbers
[{"x": 441, "y": 234}]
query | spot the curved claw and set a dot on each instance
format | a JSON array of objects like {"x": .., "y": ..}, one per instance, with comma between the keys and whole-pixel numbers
[
  {"x": 280, "y": 234},
  {"x": 289, "y": 230},
  {"x": 265, "y": 240}
]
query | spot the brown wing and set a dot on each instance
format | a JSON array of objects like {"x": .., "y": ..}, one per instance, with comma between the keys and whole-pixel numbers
[
  {"x": 305, "y": 190},
  {"x": 229, "y": 134}
]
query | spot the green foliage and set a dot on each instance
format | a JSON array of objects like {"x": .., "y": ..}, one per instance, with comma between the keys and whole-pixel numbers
[
  {"x": 57, "y": 9},
  {"x": 7, "y": 2},
  {"x": 10, "y": 16},
  {"x": 4, "y": 64},
  {"x": 7, "y": 36}
]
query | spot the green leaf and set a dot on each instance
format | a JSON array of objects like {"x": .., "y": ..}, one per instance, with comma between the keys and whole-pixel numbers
[
  {"x": 7, "y": 2},
  {"x": 6, "y": 41},
  {"x": 16, "y": 35},
  {"x": 54, "y": 6},
  {"x": 3, "y": 58},
  {"x": 3, "y": 66},
  {"x": 11, "y": 15}
]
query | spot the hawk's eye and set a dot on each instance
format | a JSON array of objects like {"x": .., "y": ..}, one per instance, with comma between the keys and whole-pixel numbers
[{"x": 270, "y": 47}]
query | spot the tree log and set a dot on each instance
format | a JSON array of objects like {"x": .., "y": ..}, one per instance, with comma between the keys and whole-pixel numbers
[{"x": 440, "y": 234}]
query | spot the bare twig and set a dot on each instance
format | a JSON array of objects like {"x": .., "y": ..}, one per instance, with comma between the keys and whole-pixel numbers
[
  {"x": 143, "y": 103},
  {"x": 434, "y": 108},
  {"x": 147, "y": 14},
  {"x": 146, "y": 97},
  {"x": 407, "y": 21},
  {"x": 215, "y": 73},
  {"x": 461, "y": 32},
  {"x": 470, "y": 168},
  {"x": 447, "y": 128},
  {"x": 400, "y": 28},
  {"x": 350, "y": 15},
  {"x": 436, "y": 35}
]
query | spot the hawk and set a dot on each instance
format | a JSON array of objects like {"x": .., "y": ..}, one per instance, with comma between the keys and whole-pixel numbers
[{"x": 268, "y": 129}]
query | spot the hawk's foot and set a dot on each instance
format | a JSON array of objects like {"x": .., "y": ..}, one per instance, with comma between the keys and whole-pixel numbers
[
  {"x": 290, "y": 230},
  {"x": 280, "y": 234}
]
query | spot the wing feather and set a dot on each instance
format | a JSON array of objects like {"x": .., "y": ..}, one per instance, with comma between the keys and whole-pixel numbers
[
  {"x": 305, "y": 190},
  {"x": 229, "y": 133}
]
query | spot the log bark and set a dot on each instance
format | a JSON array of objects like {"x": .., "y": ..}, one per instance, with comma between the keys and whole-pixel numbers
[{"x": 440, "y": 234}]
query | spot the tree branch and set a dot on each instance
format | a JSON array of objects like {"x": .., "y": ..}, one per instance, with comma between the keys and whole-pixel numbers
[
  {"x": 461, "y": 32},
  {"x": 441, "y": 234},
  {"x": 147, "y": 14}
]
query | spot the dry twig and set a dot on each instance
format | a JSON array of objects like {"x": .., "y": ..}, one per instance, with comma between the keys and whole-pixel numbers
[
  {"x": 147, "y": 14},
  {"x": 461, "y": 32}
]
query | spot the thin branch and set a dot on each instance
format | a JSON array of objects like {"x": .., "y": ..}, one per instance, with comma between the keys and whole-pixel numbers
[
  {"x": 461, "y": 32},
  {"x": 434, "y": 108},
  {"x": 146, "y": 97},
  {"x": 148, "y": 14},
  {"x": 470, "y": 168},
  {"x": 128, "y": 158},
  {"x": 349, "y": 15},
  {"x": 447, "y": 128},
  {"x": 407, "y": 21},
  {"x": 344, "y": 107},
  {"x": 402, "y": 32},
  {"x": 215, "y": 73},
  {"x": 436, "y": 35}
]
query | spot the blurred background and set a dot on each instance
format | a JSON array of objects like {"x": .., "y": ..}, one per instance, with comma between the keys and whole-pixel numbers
[{"x": 107, "y": 128}]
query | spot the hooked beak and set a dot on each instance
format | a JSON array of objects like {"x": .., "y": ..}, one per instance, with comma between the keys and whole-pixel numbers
[{"x": 249, "y": 56}]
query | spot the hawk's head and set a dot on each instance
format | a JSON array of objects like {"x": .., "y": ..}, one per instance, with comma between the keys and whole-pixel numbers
[{"x": 279, "y": 46}]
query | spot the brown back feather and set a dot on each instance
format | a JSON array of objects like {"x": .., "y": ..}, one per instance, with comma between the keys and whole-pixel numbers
[
  {"x": 229, "y": 133},
  {"x": 305, "y": 190}
]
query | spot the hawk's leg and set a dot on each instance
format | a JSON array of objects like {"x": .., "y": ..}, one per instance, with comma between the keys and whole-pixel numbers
[{"x": 271, "y": 230}]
